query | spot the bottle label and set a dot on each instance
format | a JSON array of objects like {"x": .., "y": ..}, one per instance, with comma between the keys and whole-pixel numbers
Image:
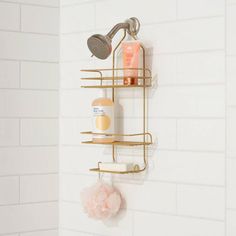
[{"x": 103, "y": 121}]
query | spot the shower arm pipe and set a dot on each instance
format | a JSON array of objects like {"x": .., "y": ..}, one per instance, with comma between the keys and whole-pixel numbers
[
  {"x": 116, "y": 28},
  {"x": 132, "y": 26}
]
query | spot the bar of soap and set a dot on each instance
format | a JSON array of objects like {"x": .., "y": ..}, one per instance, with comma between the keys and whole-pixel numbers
[{"x": 112, "y": 166}]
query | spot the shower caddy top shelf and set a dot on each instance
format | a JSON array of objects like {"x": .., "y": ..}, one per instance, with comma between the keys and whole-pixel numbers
[{"x": 113, "y": 82}]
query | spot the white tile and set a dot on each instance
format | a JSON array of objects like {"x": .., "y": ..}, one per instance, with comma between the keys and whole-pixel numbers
[
  {"x": 231, "y": 81},
  {"x": 231, "y": 183},
  {"x": 187, "y": 68},
  {"x": 200, "y": 8},
  {"x": 28, "y": 160},
  {"x": 38, "y": 188},
  {"x": 37, "y": 47},
  {"x": 24, "y": 103},
  {"x": 10, "y": 16},
  {"x": 70, "y": 73},
  {"x": 157, "y": 11},
  {"x": 71, "y": 105},
  {"x": 201, "y": 201},
  {"x": 72, "y": 2},
  {"x": 9, "y": 187},
  {"x": 28, "y": 217},
  {"x": 230, "y": 224},
  {"x": 40, "y": 19},
  {"x": 71, "y": 186},
  {"x": 9, "y": 74},
  {"x": 149, "y": 196},
  {"x": 10, "y": 235},
  {"x": 73, "y": 217},
  {"x": 201, "y": 68},
  {"x": 231, "y": 2},
  {"x": 39, "y": 131},
  {"x": 187, "y": 167},
  {"x": 185, "y": 101},
  {"x": 74, "y": 104},
  {"x": 74, "y": 47},
  {"x": 77, "y": 18},
  {"x": 124, "y": 106},
  {"x": 163, "y": 69},
  {"x": 9, "y": 132},
  {"x": 53, "y": 3},
  {"x": 65, "y": 232},
  {"x": 204, "y": 135},
  {"x": 71, "y": 158},
  {"x": 164, "y": 132},
  {"x": 231, "y": 132},
  {"x": 41, "y": 233},
  {"x": 39, "y": 75},
  {"x": 155, "y": 224},
  {"x": 231, "y": 32},
  {"x": 70, "y": 131},
  {"x": 138, "y": 196},
  {"x": 184, "y": 36}
]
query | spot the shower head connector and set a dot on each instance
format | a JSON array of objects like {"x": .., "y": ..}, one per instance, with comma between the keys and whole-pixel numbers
[{"x": 100, "y": 45}]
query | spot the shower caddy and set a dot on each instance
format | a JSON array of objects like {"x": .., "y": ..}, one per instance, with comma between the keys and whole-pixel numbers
[{"x": 145, "y": 79}]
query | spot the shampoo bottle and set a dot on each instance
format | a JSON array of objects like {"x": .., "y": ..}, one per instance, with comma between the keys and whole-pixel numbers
[{"x": 103, "y": 118}]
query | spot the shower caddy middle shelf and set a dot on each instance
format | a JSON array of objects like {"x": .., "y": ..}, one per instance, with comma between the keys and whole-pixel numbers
[{"x": 114, "y": 81}]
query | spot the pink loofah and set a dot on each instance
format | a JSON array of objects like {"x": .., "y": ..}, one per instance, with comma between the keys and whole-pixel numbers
[{"x": 101, "y": 201}]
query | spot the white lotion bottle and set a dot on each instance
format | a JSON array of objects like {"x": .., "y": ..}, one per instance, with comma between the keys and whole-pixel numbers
[{"x": 103, "y": 118}]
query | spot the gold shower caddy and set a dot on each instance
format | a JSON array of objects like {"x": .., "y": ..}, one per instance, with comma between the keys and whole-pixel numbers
[{"x": 146, "y": 81}]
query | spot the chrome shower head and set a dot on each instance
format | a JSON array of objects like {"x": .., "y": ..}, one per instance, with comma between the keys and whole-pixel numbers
[{"x": 100, "y": 45}]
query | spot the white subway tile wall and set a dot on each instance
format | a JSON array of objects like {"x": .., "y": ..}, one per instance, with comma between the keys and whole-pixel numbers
[
  {"x": 40, "y": 19},
  {"x": 189, "y": 188},
  {"x": 9, "y": 74},
  {"x": 29, "y": 80},
  {"x": 192, "y": 114},
  {"x": 39, "y": 75},
  {"x": 10, "y": 16},
  {"x": 231, "y": 118}
]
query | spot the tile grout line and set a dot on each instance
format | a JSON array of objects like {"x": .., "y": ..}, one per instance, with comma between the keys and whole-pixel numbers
[
  {"x": 177, "y": 199},
  {"x": 27, "y": 32},
  {"x": 28, "y": 203},
  {"x": 176, "y": 135},
  {"x": 28, "y": 4},
  {"x": 20, "y": 15},
  {"x": 151, "y": 181},
  {"x": 79, "y": 231},
  {"x": 68, "y": 117},
  {"x": 20, "y": 126},
  {"x": 226, "y": 117},
  {"x": 231, "y": 209},
  {"x": 19, "y": 190},
  {"x": 133, "y": 223},
  {"x": 153, "y": 23},
  {"x": 20, "y": 65},
  {"x": 30, "y": 174},
  {"x": 30, "y": 231},
  {"x": 85, "y": 59},
  {"x": 22, "y": 60}
]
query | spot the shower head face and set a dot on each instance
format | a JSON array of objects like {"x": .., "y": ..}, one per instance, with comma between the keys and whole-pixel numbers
[{"x": 100, "y": 46}]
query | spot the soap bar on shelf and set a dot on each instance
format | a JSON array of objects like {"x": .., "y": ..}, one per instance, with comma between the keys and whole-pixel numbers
[{"x": 112, "y": 166}]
